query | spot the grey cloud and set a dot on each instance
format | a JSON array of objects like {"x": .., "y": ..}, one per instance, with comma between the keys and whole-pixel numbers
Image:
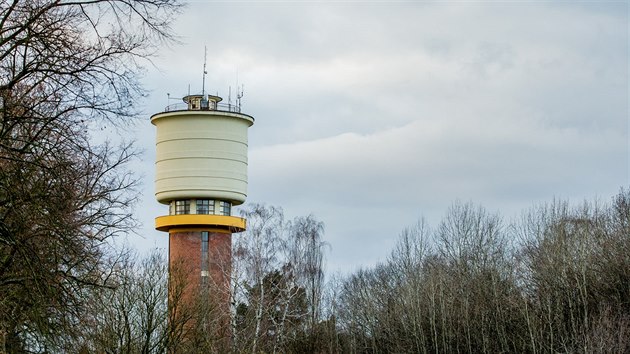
[{"x": 368, "y": 116}]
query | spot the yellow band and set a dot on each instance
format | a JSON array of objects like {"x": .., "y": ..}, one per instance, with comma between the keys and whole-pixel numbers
[{"x": 200, "y": 221}]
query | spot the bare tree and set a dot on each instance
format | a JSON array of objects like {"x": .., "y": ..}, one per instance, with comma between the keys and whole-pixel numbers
[
  {"x": 66, "y": 67},
  {"x": 256, "y": 256},
  {"x": 148, "y": 308},
  {"x": 278, "y": 282},
  {"x": 305, "y": 258},
  {"x": 131, "y": 315},
  {"x": 575, "y": 272},
  {"x": 444, "y": 290}
]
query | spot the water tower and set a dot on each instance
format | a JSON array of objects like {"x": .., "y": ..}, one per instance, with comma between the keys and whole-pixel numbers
[{"x": 201, "y": 173}]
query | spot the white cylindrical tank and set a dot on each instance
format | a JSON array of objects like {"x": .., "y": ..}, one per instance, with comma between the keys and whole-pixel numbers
[{"x": 201, "y": 152}]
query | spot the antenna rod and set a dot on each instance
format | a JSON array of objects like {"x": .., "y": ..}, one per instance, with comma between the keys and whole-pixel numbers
[
  {"x": 239, "y": 95},
  {"x": 205, "y": 56}
]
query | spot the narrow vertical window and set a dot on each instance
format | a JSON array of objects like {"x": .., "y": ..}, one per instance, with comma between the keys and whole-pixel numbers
[{"x": 204, "y": 257}]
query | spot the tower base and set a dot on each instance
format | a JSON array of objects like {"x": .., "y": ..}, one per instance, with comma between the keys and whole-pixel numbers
[{"x": 200, "y": 265}]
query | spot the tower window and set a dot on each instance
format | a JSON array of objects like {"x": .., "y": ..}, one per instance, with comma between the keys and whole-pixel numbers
[
  {"x": 205, "y": 206},
  {"x": 182, "y": 207},
  {"x": 204, "y": 257},
  {"x": 225, "y": 208}
]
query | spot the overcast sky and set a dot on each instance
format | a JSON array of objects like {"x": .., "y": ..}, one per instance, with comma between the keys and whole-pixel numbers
[{"x": 370, "y": 115}]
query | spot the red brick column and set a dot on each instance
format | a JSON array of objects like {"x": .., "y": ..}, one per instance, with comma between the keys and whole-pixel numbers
[
  {"x": 220, "y": 264},
  {"x": 184, "y": 250},
  {"x": 185, "y": 257}
]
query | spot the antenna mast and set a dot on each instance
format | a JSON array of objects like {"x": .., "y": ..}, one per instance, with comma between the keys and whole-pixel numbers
[
  {"x": 239, "y": 92},
  {"x": 239, "y": 95},
  {"x": 205, "y": 57}
]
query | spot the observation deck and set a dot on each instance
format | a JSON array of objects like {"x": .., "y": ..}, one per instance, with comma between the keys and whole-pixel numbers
[{"x": 203, "y": 103}]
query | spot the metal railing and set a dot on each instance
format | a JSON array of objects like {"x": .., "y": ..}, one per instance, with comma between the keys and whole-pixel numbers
[{"x": 212, "y": 106}]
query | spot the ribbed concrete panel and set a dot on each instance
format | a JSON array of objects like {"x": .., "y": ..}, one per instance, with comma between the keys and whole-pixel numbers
[{"x": 201, "y": 154}]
